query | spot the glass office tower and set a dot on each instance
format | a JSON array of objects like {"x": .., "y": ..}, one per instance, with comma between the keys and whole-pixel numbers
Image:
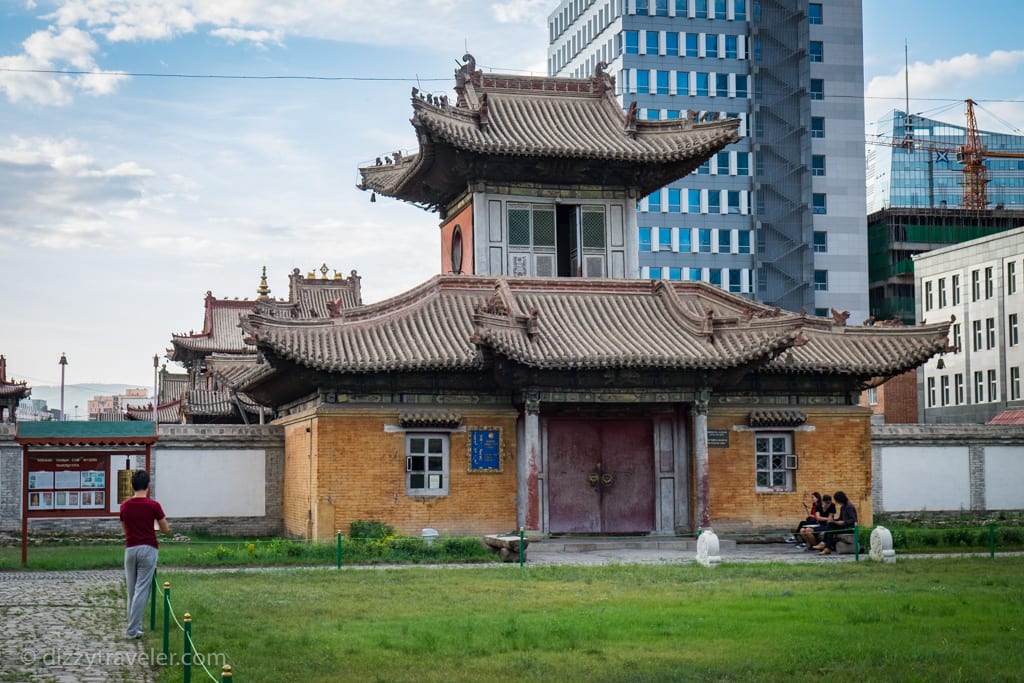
[{"x": 929, "y": 175}]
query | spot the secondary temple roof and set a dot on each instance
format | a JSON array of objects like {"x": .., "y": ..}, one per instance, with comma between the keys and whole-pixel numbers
[
  {"x": 453, "y": 323},
  {"x": 533, "y": 129}
]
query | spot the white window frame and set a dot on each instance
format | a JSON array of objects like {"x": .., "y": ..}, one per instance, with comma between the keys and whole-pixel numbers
[
  {"x": 775, "y": 466},
  {"x": 418, "y": 445}
]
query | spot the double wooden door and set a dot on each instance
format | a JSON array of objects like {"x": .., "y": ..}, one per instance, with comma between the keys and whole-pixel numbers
[{"x": 600, "y": 476}]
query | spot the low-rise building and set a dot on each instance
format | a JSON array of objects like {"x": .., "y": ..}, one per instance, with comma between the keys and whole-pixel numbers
[{"x": 979, "y": 287}]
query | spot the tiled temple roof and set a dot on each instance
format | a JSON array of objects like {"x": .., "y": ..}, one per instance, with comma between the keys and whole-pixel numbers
[
  {"x": 228, "y": 368},
  {"x": 455, "y": 322},
  {"x": 500, "y": 116},
  {"x": 311, "y": 296},
  {"x": 166, "y": 413},
  {"x": 215, "y": 402},
  {"x": 220, "y": 330}
]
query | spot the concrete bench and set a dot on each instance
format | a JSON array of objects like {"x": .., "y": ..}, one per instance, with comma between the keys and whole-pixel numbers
[
  {"x": 506, "y": 545},
  {"x": 844, "y": 544}
]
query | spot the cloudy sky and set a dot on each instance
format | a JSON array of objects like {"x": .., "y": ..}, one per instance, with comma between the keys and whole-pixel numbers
[{"x": 141, "y": 177}]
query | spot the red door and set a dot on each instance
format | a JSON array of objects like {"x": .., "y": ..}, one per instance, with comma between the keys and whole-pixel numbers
[{"x": 600, "y": 476}]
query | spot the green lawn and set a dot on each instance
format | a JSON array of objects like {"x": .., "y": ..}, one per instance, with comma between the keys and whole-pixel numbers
[{"x": 916, "y": 620}]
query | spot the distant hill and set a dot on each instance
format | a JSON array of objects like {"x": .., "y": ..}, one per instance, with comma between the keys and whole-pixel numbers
[{"x": 79, "y": 395}]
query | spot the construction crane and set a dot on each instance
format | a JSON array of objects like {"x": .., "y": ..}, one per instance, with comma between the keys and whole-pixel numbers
[{"x": 971, "y": 154}]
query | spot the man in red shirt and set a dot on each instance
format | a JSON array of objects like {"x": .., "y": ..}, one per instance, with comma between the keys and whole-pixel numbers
[{"x": 139, "y": 514}]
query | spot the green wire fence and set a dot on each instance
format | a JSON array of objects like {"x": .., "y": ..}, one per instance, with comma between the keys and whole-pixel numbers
[{"x": 190, "y": 654}]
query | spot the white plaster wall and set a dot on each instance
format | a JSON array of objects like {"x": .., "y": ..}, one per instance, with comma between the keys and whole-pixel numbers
[
  {"x": 1004, "y": 477},
  {"x": 214, "y": 483},
  {"x": 925, "y": 478}
]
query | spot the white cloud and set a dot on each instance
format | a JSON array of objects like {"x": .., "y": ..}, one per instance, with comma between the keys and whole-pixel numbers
[
  {"x": 957, "y": 78},
  {"x": 56, "y": 195},
  {"x": 48, "y": 51},
  {"x": 515, "y": 11},
  {"x": 238, "y": 35}
]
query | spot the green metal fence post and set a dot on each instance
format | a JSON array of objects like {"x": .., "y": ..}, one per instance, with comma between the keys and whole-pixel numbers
[
  {"x": 186, "y": 651},
  {"x": 992, "y": 539},
  {"x": 225, "y": 674},
  {"x": 856, "y": 543},
  {"x": 152, "y": 604},
  {"x": 521, "y": 531},
  {"x": 339, "y": 550},
  {"x": 167, "y": 619}
]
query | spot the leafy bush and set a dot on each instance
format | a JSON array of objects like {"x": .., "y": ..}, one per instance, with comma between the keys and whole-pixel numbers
[{"x": 367, "y": 529}]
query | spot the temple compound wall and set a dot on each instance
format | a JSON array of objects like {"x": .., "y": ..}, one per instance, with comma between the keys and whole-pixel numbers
[
  {"x": 948, "y": 467},
  {"x": 220, "y": 479},
  {"x": 351, "y": 465}
]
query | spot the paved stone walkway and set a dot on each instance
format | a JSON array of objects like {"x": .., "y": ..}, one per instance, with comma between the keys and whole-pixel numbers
[{"x": 68, "y": 626}]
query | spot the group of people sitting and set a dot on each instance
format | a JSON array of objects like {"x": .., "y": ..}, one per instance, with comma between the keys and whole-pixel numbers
[{"x": 827, "y": 518}]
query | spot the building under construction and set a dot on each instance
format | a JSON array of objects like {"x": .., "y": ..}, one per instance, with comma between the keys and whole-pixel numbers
[{"x": 896, "y": 235}]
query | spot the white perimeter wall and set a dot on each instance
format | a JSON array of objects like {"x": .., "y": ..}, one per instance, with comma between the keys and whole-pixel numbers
[
  {"x": 1004, "y": 477},
  {"x": 210, "y": 483},
  {"x": 926, "y": 478}
]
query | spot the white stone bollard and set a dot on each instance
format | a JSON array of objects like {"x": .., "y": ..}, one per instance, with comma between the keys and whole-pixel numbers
[
  {"x": 708, "y": 553},
  {"x": 881, "y": 545}
]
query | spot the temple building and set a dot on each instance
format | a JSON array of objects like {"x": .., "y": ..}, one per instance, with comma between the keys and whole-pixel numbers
[
  {"x": 11, "y": 393},
  {"x": 530, "y": 386},
  {"x": 539, "y": 176},
  {"x": 218, "y": 356}
]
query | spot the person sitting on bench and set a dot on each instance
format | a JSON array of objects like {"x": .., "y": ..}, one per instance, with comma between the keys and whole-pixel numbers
[
  {"x": 844, "y": 523},
  {"x": 811, "y": 533}
]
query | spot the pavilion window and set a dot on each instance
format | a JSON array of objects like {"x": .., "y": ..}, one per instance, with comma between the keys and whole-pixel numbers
[
  {"x": 426, "y": 464},
  {"x": 774, "y": 461},
  {"x": 566, "y": 240}
]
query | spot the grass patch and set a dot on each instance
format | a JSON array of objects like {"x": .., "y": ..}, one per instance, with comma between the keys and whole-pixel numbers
[
  {"x": 227, "y": 552},
  {"x": 942, "y": 619}
]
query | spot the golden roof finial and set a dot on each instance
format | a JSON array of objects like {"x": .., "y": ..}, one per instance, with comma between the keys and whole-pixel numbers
[
  {"x": 263, "y": 290},
  {"x": 323, "y": 271}
]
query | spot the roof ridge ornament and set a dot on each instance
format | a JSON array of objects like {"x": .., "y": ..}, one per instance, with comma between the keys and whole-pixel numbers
[
  {"x": 630, "y": 126},
  {"x": 603, "y": 81},
  {"x": 465, "y": 76},
  {"x": 501, "y": 310},
  {"x": 263, "y": 291}
]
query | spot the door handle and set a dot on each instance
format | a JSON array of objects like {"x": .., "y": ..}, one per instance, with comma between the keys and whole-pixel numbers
[
  {"x": 593, "y": 478},
  {"x": 607, "y": 479}
]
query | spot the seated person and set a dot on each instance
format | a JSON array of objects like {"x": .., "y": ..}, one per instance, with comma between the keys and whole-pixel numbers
[
  {"x": 809, "y": 520},
  {"x": 821, "y": 519},
  {"x": 843, "y": 523}
]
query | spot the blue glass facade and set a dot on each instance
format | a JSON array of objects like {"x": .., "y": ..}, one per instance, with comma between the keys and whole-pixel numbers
[{"x": 932, "y": 178}]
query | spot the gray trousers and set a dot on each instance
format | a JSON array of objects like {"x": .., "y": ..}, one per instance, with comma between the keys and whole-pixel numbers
[{"x": 139, "y": 568}]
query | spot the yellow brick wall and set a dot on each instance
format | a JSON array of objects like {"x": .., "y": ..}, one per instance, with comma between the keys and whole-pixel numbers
[
  {"x": 361, "y": 476},
  {"x": 834, "y": 455}
]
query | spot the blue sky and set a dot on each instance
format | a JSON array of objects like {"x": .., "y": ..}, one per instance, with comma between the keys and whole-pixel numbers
[{"x": 124, "y": 199}]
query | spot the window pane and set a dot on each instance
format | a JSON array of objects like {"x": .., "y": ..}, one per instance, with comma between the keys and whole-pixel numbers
[
  {"x": 518, "y": 226},
  {"x": 417, "y": 445},
  {"x": 632, "y": 42},
  {"x": 544, "y": 227},
  {"x": 664, "y": 239},
  {"x": 593, "y": 229},
  {"x": 416, "y": 481}
]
